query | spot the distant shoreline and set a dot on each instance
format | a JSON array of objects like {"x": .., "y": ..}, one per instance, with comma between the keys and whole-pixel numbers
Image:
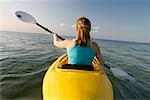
[{"x": 74, "y": 36}]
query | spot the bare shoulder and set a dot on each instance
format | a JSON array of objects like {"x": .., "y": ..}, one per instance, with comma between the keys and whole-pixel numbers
[
  {"x": 95, "y": 45},
  {"x": 69, "y": 42}
]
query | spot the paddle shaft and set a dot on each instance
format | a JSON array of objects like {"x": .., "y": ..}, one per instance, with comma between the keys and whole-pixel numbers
[
  {"x": 107, "y": 66},
  {"x": 46, "y": 29}
]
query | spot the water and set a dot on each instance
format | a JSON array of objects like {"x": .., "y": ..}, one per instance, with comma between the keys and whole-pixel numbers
[{"x": 25, "y": 57}]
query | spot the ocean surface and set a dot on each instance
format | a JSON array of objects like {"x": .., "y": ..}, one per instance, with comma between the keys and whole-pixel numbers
[{"x": 25, "y": 58}]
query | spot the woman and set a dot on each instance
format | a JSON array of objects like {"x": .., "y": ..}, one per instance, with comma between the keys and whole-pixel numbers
[{"x": 80, "y": 50}]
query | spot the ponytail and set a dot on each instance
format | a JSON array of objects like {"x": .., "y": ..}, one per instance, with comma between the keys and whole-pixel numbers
[{"x": 83, "y": 27}]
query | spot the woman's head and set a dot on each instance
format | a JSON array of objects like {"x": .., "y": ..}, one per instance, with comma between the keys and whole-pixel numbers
[{"x": 83, "y": 27}]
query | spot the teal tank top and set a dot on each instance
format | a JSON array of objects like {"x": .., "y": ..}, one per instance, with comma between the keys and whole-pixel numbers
[{"x": 80, "y": 55}]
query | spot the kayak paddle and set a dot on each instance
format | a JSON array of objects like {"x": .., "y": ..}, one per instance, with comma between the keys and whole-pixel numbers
[
  {"x": 25, "y": 17},
  {"x": 120, "y": 74}
]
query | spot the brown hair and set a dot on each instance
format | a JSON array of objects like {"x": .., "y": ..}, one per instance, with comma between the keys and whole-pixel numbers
[{"x": 83, "y": 27}]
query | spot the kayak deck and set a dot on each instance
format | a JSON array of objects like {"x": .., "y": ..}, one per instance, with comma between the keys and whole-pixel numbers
[{"x": 71, "y": 84}]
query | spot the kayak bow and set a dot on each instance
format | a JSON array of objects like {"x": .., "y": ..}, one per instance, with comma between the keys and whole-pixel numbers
[{"x": 71, "y": 84}]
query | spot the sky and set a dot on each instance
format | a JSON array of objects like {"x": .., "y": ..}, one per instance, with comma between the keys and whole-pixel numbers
[{"x": 126, "y": 20}]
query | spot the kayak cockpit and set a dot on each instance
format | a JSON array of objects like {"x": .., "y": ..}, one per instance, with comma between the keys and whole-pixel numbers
[{"x": 63, "y": 64}]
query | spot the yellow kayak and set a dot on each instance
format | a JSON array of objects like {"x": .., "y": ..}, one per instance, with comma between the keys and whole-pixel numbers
[{"x": 73, "y": 84}]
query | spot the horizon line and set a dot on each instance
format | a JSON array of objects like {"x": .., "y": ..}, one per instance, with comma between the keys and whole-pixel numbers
[{"x": 74, "y": 36}]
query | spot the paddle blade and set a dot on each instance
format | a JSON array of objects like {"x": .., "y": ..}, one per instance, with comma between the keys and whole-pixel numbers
[
  {"x": 25, "y": 17},
  {"x": 121, "y": 74}
]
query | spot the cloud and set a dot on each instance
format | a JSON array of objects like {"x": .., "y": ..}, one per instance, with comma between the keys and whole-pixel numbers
[
  {"x": 63, "y": 25},
  {"x": 95, "y": 29},
  {"x": 73, "y": 26}
]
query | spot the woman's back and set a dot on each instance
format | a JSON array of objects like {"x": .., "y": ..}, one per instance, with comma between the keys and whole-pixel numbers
[{"x": 80, "y": 55}]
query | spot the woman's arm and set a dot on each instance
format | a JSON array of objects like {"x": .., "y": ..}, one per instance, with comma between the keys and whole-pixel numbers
[
  {"x": 98, "y": 53},
  {"x": 58, "y": 43}
]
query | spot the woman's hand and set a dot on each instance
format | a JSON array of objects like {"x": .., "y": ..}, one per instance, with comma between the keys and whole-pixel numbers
[
  {"x": 59, "y": 43},
  {"x": 55, "y": 36}
]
